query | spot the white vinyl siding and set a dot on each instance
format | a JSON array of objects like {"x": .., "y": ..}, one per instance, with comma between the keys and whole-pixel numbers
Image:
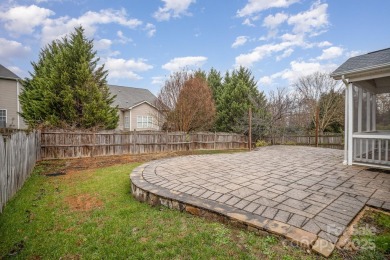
[
  {"x": 3, "y": 118},
  {"x": 144, "y": 122}
]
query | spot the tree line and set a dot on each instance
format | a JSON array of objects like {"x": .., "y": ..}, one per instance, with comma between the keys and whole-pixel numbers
[
  {"x": 68, "y": 89},
  {"x": 208, "y": 101}
]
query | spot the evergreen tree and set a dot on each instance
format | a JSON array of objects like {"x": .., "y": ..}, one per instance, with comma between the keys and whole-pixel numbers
[
  {"x": 67, "y": 87},
  {"x": 200, "y": 74},
  {"x": 214, "y": 80},
  {"x": 238, "y": 92}
]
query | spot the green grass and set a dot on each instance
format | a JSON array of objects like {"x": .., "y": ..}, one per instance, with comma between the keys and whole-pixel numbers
[
  {"x": 373, "y": 236},
  {"x": 40, "y": 223}
]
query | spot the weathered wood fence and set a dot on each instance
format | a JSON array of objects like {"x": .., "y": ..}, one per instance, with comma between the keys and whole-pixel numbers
[
  {"x": 18, "y": 155},
  {"x": 62, "y": 144},
  {"x": 329, "y": 140}
]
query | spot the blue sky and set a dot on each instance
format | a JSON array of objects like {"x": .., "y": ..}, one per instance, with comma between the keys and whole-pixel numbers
[{"x": 143, "y": 41}]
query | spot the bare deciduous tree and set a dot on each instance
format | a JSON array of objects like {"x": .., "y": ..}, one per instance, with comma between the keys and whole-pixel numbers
[
  {"x": 168, "y": 96},
  {"x": 319, "y": 92},
  {"x": 279, "y": 106},
  {"x": 186, "y": 103}
]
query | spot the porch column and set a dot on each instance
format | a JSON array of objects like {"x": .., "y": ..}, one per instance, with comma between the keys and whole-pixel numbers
[
  {"x": 368, "y": 109},
  {"x": 346, "y": 126},
  {"x": 373, "y": 117},
  {"x": 360, "y": 108},
  {"x": 350, "y": 123}
]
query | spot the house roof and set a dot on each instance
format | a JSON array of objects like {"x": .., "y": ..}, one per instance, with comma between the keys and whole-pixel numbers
[
  {"x": 127, "y": 97},
  {"x": 7, "y": 74},
  {"x": 362, "y": 63}
]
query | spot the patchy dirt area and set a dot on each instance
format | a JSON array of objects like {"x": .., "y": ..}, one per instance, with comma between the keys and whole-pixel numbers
[
  {"x": 83, "y": 202},
  {"x": 69, "y": 166}
]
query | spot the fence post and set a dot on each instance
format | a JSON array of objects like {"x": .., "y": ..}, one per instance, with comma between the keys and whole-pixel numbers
[
  {"x": 215, "y": 140},
  {"x": 166, "y": 141},
  {"x": 189, "y": 142},
  {"x": 93, "y": 143},
  {"x": 134, "y": 143}
]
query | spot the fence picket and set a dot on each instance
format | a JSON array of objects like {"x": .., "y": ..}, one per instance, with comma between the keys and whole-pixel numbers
[
  {"x": 18, "y": 154},
  {"x": 330, "y": 140},
  {"x": 85, "y": 144}
]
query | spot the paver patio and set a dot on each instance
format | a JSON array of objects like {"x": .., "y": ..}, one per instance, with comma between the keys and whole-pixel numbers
[{"x": 303, "y": 193}]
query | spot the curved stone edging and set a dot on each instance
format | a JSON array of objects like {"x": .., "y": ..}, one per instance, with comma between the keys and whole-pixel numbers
[{"x": 156, "y": 195}]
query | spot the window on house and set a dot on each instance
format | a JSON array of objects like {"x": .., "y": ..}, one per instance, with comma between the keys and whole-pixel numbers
[
  {"x": 3, "y": 118},
  {"x": 127, "y": 122},
  {"x": 144, "y": 122}
]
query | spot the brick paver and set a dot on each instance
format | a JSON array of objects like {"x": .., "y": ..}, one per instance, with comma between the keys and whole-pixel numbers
[{"x": 300, "y": 187}]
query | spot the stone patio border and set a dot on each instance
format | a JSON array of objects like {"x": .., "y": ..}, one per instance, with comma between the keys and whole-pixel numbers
[{"x": 156, "y": 195}]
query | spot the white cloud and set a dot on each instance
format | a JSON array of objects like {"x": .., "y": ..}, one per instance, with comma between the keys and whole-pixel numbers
[
  {"x": 286, "y": 53},
  {"x": 255, "y": 6},
  {"x": 151, "y": 29},
  {"x": 248, "y": 21},
  {"x": 266, "y": 50},
  {"x": 10, "y": 49},
  {"x": 107, "y": 16},
  {"x": 121, "y": 68},
  {"x": 18, "y": 71},
  {"x": 172, "y": 8},
  {"x": 179, "y": 63},
  {"x": 311, "y": 21},
  {"x": 307, "y": 23},
  {"x": 55, "y": 28},
  {"x": 240, "y": 40},
  {"x": 266, "y": 80},
  {"x": 291, "y": 37},
  {"x": 159, "y": 80},
  {"x": 102, "y": 44},
  {"x": 302, "y": 68},
  {"x": 273, "y": 21},
  {"x": 23, "y": 19},
  {"x": 122, "y": 38},
  {"x": 331, "y": 53},
  {"x": 324, "y": 44},
  {"x": 351, "y": 54}
]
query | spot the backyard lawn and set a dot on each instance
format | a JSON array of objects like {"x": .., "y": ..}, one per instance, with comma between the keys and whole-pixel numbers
[{"x": 89, "y": 213}]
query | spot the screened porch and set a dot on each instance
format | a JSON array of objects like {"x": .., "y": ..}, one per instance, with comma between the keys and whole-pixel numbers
[
  {"x": 367, "y": 108},
  {"x": 370, "y": 136}
]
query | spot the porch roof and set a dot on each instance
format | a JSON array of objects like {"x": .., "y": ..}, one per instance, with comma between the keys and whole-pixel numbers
[{"x": 370, "y": 71}]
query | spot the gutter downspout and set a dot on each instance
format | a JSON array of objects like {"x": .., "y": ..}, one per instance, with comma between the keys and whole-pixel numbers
[{"x": 345, "y": 162}]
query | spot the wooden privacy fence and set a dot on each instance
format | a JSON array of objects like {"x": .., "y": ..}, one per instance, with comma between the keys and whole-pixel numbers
[
  {"x": 62, "y": 144},
  {"x": 329, "y": 140},
  {"x": 18, "y": 155}
]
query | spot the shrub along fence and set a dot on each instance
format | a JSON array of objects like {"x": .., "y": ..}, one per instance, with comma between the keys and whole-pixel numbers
[
  {"x": 18, "y": 155},
  {"x": 65, "y": 144},
  {"x": 328, "y": 140}
]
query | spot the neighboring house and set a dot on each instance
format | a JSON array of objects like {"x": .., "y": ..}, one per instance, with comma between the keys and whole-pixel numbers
[
  {"x": 136, "y": 108},
  {"x": 365, "y": 77},
  {"x": 9, "y": 100}
]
